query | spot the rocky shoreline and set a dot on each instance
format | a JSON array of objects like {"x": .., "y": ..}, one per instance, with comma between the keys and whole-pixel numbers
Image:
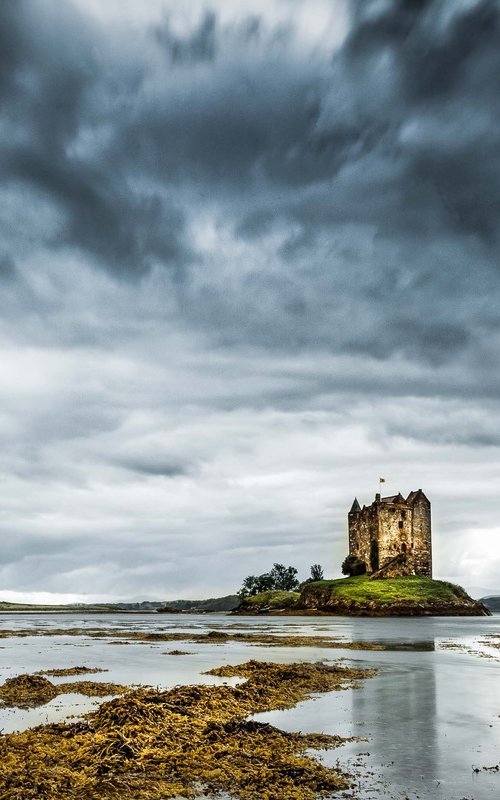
[{"x": 369, "y": 610}]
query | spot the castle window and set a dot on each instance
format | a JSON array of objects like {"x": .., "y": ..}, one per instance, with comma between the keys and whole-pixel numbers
[
  {"x": 403, "y": 547},
  {"x": 400, "y": 524},
  {"x": 403, "y": 514}
]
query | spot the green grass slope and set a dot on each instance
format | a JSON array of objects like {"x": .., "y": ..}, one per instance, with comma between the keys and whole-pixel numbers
[
  {"x": 411, "y": 595},
  {"x": 271, "y": 600},
  {"x": 413, "y": 588}
]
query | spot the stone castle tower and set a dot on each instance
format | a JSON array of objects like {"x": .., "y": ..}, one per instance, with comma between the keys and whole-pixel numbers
[{"x": 393, "y": 535}]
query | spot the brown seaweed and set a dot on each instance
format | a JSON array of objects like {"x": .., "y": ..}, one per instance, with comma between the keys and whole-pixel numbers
[
  {"x": 29, "y": 691},
  {"x": 163, "y": 744},
  {"x": 63, "y": 671},
  {"x": 211, "y": 637}
]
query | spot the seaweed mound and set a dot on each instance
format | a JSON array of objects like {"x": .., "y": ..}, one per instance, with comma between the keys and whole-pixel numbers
[
  {"x": 191, "y": 739},
  {"x": 29, "y": 691}
]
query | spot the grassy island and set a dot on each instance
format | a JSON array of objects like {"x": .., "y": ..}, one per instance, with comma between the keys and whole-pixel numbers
[{"x": 412, "y": 595}]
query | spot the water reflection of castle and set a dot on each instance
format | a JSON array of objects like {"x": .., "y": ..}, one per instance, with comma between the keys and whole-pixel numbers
[{"x": 397, "y": 713}]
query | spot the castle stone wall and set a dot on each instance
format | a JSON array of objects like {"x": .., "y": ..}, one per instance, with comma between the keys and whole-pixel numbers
[
  {"x": 394, "y": 532},
  {"x": 393, "y": 526},
  {"x": 363, "y": 533},
  {"x": 421, "y": 532}
]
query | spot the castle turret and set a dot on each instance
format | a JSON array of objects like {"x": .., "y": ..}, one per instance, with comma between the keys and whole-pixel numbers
[{"x": 355, "y": 506}]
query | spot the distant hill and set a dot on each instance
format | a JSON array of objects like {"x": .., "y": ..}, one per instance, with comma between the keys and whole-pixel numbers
[
  {"x": 493, "y": 602},
  {"x": 94, "y": 608},
  {"x": 226, "y": 603}
]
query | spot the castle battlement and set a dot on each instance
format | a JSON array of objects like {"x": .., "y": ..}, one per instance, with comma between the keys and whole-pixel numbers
[{"x": 393, "y": 534}]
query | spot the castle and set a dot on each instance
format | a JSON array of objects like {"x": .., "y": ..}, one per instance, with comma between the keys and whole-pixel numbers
[{"x": 392, "y": 535}]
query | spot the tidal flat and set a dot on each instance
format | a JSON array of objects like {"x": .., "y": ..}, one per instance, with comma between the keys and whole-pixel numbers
[{"x": 422, "y": 722}]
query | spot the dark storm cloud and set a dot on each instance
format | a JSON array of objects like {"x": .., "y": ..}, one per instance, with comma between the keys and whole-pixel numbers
[
  {"x": 13, "y": 42},
  {"x": 394, "y": 138},
  {"x": 375, "y": 165},
  {"x": 293, "y": 122},
  {"x": 125, "y": 231},
  {"x": 58, "y": 87},
  {"x": 200, "y": 45},
  {"x": 155, "y": 467},
  {"x": 7, "y": 267},
  {"x": 432, "y": 66},
  {"x": 229, "y": 128}
]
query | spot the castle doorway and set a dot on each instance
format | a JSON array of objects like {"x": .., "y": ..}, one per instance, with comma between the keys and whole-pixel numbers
[{"x": 374, "y": 555}]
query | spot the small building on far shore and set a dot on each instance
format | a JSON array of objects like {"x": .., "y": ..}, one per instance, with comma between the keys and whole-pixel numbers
[{"x": 392, "y": 536}]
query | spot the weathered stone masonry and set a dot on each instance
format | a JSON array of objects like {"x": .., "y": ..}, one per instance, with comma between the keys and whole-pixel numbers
[{"x": 393, "y": 535}]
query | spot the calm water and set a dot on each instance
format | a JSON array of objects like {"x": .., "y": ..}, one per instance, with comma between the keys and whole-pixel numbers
[{"x": 430, "y": 717}]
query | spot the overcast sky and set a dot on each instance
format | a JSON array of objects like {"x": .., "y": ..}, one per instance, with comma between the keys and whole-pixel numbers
[{"x": 249, "y": 263}]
